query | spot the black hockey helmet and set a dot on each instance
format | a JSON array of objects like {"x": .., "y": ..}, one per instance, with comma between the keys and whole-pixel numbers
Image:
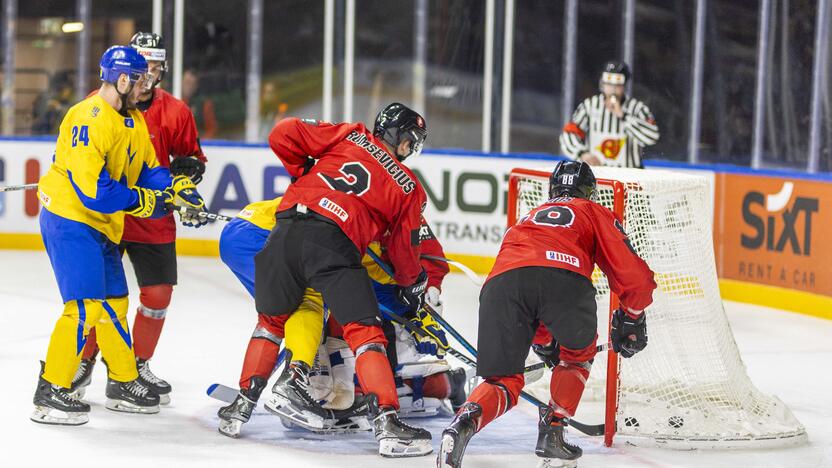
[
  {"x": 396, "y": 123},
  {"x": 572, "y": 179},
  {"x": 615, "y": 72},
  {"x": 151, "y": 46}
]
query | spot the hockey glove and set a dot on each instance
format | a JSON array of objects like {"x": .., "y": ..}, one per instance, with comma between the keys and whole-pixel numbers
[
  {"x": 548, "y": 353},
  {"x": 433, "y": 299},
  {"x": 189, "y": 166},
  {"x": 186, "y": 195},
  {"x": 413, "y": 296},
  {"x": 433, "y": 340},
  {"x": 151, "y": 204},
  {"x": 628, "y": 333}
]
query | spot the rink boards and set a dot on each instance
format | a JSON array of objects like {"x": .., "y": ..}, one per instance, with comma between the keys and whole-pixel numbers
[{"x": 768, "y": 225}]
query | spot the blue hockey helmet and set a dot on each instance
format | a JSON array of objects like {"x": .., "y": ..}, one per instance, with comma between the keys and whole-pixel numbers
[{"x": 118, "y": 60}]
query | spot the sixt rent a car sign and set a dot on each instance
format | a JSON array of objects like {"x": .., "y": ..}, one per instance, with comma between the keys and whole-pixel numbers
[{"x": 775, "y": 231}]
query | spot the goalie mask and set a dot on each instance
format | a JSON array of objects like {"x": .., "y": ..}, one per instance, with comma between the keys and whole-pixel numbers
[
  {"x": 396, "y": 123},
  {"x": 572, "y": 179}
]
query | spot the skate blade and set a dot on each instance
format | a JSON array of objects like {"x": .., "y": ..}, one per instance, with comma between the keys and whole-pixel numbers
[
  {"x": 420, "y": 413},
  {"x": 127, "y": 407},
  {"x": 46, "y": 415},
  {"x": 230, "y": 428},
  {"x": 445, "y": 450},
  {"x": 352, "y": 426},
  {"x": 282, "y": 408},
  {"x": 392, "y": 448},
  {"x": 164, "y": 399},
  {"x": 556, "y": 463}
]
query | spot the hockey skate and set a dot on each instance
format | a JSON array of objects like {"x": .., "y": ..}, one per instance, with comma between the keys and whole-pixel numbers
[
  {"x": 395, "y": 438},
  {"x": 54, "y": 405},
  {"x": 82, "y": 379},
  {"x": 291, "y": 399},
  {"x": 233, "y": 416},
  {"x": 131, "y": 397},
  {"x": 455, "y": 438},
  {"x": 348, "y": 421},
  {"x": 150, "y": 380},
  {"x": 551, "y": 446}
]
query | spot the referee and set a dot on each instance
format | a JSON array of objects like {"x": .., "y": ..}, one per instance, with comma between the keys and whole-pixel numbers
[{"x": 610, "y": 129}]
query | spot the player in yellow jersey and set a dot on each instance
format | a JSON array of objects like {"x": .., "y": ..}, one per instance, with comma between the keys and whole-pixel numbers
[{"x": 104, "y": 166}]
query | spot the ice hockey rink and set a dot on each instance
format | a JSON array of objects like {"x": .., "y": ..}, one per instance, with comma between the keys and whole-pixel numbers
[{"x": 206, "y": 333}]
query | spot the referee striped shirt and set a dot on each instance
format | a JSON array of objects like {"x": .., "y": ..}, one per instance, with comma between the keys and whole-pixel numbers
[{"x": 616, "y": 141}]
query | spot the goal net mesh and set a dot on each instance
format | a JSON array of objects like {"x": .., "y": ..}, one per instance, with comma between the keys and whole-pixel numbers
[{"x": 689, "y": 387}]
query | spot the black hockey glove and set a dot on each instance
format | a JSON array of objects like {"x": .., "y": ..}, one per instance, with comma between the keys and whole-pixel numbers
[
  {"x": 189, "y": 166},
  {"x": 548, "y": 353},
  {"x": 628, "y": 335},
  {"x": 413, "y": 296}
]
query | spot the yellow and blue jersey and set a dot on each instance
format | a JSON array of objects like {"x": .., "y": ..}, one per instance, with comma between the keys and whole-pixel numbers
[
  {"x": 261, "y": 214},
  {"x": 99, "y": 156}
]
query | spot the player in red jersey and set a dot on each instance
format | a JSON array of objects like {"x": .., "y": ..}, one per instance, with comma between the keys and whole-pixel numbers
[
  {"x": 357, "y": 191},
  {"x": 543, "y": 275},
  {"x": 151, "y": 243}
]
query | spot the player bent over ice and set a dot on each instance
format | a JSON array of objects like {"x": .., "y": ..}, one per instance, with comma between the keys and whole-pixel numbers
[
  {"x": 241, "y": 240},
  {"x": 422, "y": 385},
  {"x": 543, "y": 275},
  {"x": 104, "y": 167},
  {"x": 356, "y": 192}
]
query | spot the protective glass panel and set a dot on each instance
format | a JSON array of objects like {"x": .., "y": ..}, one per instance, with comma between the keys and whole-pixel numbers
[
  {"x": 292, "y": 82},
  {"x": 665, "y": 29},
  {"x": 729, "y": 80},
  {"x": 46, "y": 61},
  {"x": 214, "y": 73},
  {"x": 536, "y": 119},
  {"x": 788, "y": 90}
]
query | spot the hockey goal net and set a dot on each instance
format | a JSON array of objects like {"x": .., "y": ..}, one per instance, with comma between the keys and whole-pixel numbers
[{"x": 689, "y": 387}]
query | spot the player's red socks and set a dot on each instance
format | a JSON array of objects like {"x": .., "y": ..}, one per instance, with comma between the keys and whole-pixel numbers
[
  {"x": 263, "y": 348},
  {"x": 569, "y": 379},
  {"x": 371, "y": 365},
  {"x": 261, "y": 357},
  {"x": 496, "y": 396},
  {"x": 150, "y": 317}
]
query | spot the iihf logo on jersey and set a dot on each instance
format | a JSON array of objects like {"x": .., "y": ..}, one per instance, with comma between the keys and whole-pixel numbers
[
  {"x": 779, "y": 227},
  {"x": 129, "y": 123}
]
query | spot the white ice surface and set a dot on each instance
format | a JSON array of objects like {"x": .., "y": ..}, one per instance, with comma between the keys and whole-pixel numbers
[{"x": 206, "y": 333}]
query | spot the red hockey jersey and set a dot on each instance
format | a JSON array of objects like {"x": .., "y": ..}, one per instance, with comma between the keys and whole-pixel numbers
[
  {"x": 357, "y": 184},
  {"x": 436, "y": 270},
  {"x": 574, "y": 234},
  {"x": 173, "y": 133}
]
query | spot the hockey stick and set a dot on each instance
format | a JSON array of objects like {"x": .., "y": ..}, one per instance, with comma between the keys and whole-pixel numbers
[
  {"x": 11, "y": 188},
  {"x": 227, "y": 394},
  {"x": 183, "y": 210},
  {"x": 590, "y": 430},
  {"x": 471, "y": 274}
]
